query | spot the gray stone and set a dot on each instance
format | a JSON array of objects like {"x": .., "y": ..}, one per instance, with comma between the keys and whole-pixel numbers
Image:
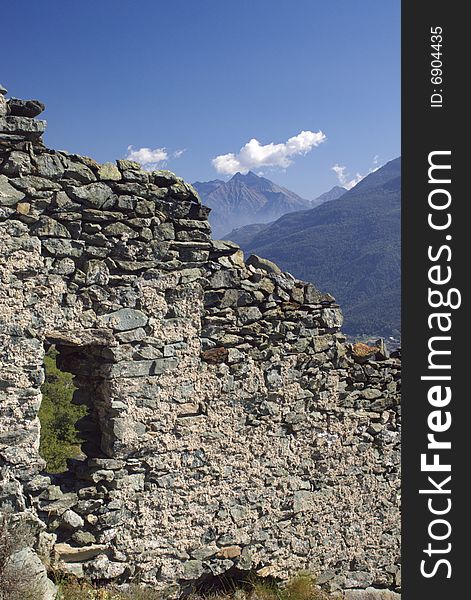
[
  {"x": 371, "y": 594},
  {"x": 74, "y": 569},
  {"x": 192, "y": 570},
  {"x": 325, "y": 576},
  {"x": 224, "y": 279},
  {"x": 97, "y": 272},
  {"x": 133, "y": 335},
  {"x": 33, "y": 184},
  {"x": 218, "y": 567},
  {"x": 383, "y": 352},
  {"x": 30, "y": 576},
  {"x": 358, "y": 579},
  {"x": 72, "y": 519},
  {"x": 61, "y": 247},
  {"x": 22, "y": 126},
  {"x": 94, "y": 195},
  {"x": 371, "y": 394},
  {"x": 204, "y": 552},
  {"x": 164, "y": 178},
  {"x": 138, "y": 368},
  {"x": 109, "y": 172},
  {"x": 125, "y": 165},
  {"x": 162, "y": 365},
  {"x": 322, "y": 343},
  {"x": 16, "y": 164},
  {"x": 58, "y": 507},
  {"x": 25, "y": 108},
  {"x": 331, "y": 318},
  {"x": 245, "y": 561},
  {"x": 81, "y": 337},
  {"x": 47, "y": 227},
  {"x": 49, "y": 165},
  {"x": 239, "y": 513},
  {"x": 102, "y": 568},
  {"x": 312, "y": 295},
  {"x": 120, "y": 230},
  {"x": 262, "y": 263},
  {"x": 53, "y": 492},
  {"x": 249, "y": 314},
  {"x": 79, "y": 172},
  {"x": 9, "y": 195},
  {"x": 3, "y": 106},
  {"x": 71, "y": 554},
  {"x": 84, "y": 538},
  {"x": 125, "y": 319}
]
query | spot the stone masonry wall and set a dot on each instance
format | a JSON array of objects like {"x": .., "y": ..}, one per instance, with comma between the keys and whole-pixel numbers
[{"x": 229, "y": 426}]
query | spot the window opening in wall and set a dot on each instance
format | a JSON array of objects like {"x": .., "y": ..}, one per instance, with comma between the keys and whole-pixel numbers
[{"x": 60, "y": 438}]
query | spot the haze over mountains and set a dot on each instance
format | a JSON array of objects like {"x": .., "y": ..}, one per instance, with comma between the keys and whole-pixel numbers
[
  {"x": 248, "y": 199},
  {"x": 349, "y": 246}
]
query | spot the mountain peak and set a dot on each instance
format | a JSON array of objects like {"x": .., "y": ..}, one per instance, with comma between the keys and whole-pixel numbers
[
  {"x": 332, "y": 194},
  {"x": 244, "y": 176},
  {"x": 245, "y": 199}
]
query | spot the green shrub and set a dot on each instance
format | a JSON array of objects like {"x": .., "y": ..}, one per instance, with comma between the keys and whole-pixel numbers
[{"x": 301, "y": 587}]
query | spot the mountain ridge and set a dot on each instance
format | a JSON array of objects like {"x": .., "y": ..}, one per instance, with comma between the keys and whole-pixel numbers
[
  {"x": 243, "y": 235},
  {"x": 246, "y": 199},
  {"x": 349, "y": 246}
]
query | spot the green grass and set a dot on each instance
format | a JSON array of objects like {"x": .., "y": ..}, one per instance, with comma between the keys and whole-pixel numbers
[
  {"x": 301, "y": 587},
  {"x": 59, "y": 440}
]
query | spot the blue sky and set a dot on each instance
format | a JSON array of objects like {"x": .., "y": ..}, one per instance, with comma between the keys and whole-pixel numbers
[{"x": 207, "y": 76}]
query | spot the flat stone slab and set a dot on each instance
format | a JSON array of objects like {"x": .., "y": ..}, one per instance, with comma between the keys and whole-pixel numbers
[
  {"x": 25, "y": 108},
  {"x": 370, "y": 594},
  {"x": 69, "y": 554},
  {"x": 126, "y": 319},
  {"x": 263, "y": 263},
  {"x": 82, "y": 337}
]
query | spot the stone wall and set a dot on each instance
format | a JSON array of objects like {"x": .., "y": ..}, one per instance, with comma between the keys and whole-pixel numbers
[{"x": 229, "y": 426}]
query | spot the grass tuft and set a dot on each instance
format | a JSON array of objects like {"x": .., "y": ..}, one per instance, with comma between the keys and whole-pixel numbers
[{"x": 302, "y": 587}]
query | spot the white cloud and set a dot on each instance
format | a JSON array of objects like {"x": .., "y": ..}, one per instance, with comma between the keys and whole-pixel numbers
[
  {"x": 151, "y": 158},
  {"x": 255, "y": 155},
  {"x": 346, "y": 180}
]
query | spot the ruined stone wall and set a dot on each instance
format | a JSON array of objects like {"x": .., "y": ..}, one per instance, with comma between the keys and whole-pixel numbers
[{"x": 229, "y": 426}]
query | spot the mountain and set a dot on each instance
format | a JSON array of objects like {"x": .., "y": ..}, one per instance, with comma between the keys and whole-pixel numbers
[
  {"x": 332, "y": 194},
  {"x": 206, "y": 187},
  {"x": 244, "y": 235},
  {"x": 246, "y": 199},
  {"x": 349, "y": 247}
]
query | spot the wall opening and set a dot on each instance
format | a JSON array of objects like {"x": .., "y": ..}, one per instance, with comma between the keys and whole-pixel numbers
[
  {"x": 77, "y": 438},
  {"x": 74, "y": 407},
  {"x": 58, "y": 415}
]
